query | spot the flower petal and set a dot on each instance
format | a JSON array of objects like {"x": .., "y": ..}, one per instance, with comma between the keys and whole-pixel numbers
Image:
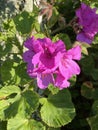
[
  {"x": 60, "y": 46},
  {"x": 43, "y": 80},
  {"x": 27, "y": 56},
  {"x": 30, "y": 70},
  {"x": 29, "y": 43},
  {"x": 88, "y": 19},
  {"x": 83, "y": 38},
  {"x": 68, "y": 68},
  {"x": 75, "y": 53},
  {"x": 61, "y": 82},
  {"x": 35, "y": 59}
]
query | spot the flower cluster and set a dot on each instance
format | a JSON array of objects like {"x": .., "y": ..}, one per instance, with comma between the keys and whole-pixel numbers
[
  {"x": 88, "y": 21},
  {"x": 51, "y": 63}
]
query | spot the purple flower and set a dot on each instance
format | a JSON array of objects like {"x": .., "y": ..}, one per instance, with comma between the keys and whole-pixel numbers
[
  {"x": 50, "y": 63},
  {"x": 50, "y": 56},
  {"x": 27, "y": 56},
  {"x": 43, "y": 80},
  {"x": 88, "y": 20},
  {"x": 67, "y": 66},
  {"x": 61, "y": 81}
]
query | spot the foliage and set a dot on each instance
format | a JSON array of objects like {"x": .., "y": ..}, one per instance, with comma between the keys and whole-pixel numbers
[{"x": 23, "y": 106}]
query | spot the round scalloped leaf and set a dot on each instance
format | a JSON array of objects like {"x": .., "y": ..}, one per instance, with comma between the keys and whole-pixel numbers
[
  {"x": 3, "y": 105},
  {"x": 58, "y": 109},
  {"x": 54, "y": 128},
  {"x": 8, "y": 90},
  {"x": 87, "y": 90},
  {"x": 95, "y": 107},
  {"x": 19, "y": 123},
  {"x": 24, "y": 22},
  {"x": 24, "y": 106},
  {"x": 93, "y": 122}
]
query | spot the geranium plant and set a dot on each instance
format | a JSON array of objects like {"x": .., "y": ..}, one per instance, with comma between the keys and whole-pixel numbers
[{"x": 49, "y": 67}]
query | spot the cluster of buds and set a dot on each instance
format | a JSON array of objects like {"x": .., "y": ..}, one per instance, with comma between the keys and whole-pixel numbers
[{"x": 75, "y": 25}]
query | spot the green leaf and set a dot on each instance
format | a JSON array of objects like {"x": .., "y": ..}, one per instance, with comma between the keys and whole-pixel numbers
[
  {"x": 14, "y": 73},
  {"x": 31, "y": 100},
  {"x": 58, "y": 109},
  {"x": 93, "y": 122},
  {"x": 54, "y": 129},
  {"x": 36, "y": 26},
  {"x": 24, "y": 106},
  {"x": 7, "y": 71},
  {"x": 87, "y": 90},
  {"x": 21, "y": 76},
  {"x": 5, "y": 48},
  {"x": 7, "y": 97},
  {"x": 96, "y": 37},
  {"x": 9, "y": 26},
  {"x": 95, "y": 107},
  {"x": 87, "y": 64},
  {"x": 84, "y": 46},
  {"x": 95, "y": 94},
  {"x": 53, "y": 89},
  {"x": 3, "y": 105},
  {"x": 94, "y": 74},
  {"x": 13, "y": 108},
  {"x": 19, "y": 123},
  {"x": 3, "y": 125},
  {"x": 72, "y": 80},
  {"x": 65, "y": 38},
  {"x": 24, "y": 22},
  {"x": 39, "y": 35},
  {"x": 8, "y": 90},
  {"x": 23, "y": 103}
]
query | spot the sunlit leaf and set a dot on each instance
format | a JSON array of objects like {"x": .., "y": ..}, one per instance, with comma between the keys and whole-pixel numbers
[
  {"x": 24, "y": 106},
  {"x": 3, "y": 105},
  {"x": 24, "y": 22},
  {"x": 58, "y": 109},
  {"x": 8, "y": 90},
  {"x": 7, "y": 71},
  {"x": 21, "y": 76},
  {"x": 19, "y": 123},
  {"x": 53, "y": 89},
  {"x": 53, "y": 128}
]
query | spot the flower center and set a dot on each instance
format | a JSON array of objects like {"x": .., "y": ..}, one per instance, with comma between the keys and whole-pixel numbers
[{"x": 48, "y": 53}]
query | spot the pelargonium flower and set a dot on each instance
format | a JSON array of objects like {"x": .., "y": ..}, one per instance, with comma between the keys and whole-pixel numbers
[
  {"x": 50, "y": 63},
  {"x": 88, "y": 20}
]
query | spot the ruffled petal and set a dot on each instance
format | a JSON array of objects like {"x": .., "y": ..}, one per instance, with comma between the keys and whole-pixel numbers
[
  {"x": 61, "y": 82},
  {"x": 83, "y": 38},
  {"x": 43, "y": 80},
  {"x": 28, "y": 55},
  {"x": 68, "y": 68},
  {"x": 75, "y": 53},
  {"x": 35, "y": 59}
]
